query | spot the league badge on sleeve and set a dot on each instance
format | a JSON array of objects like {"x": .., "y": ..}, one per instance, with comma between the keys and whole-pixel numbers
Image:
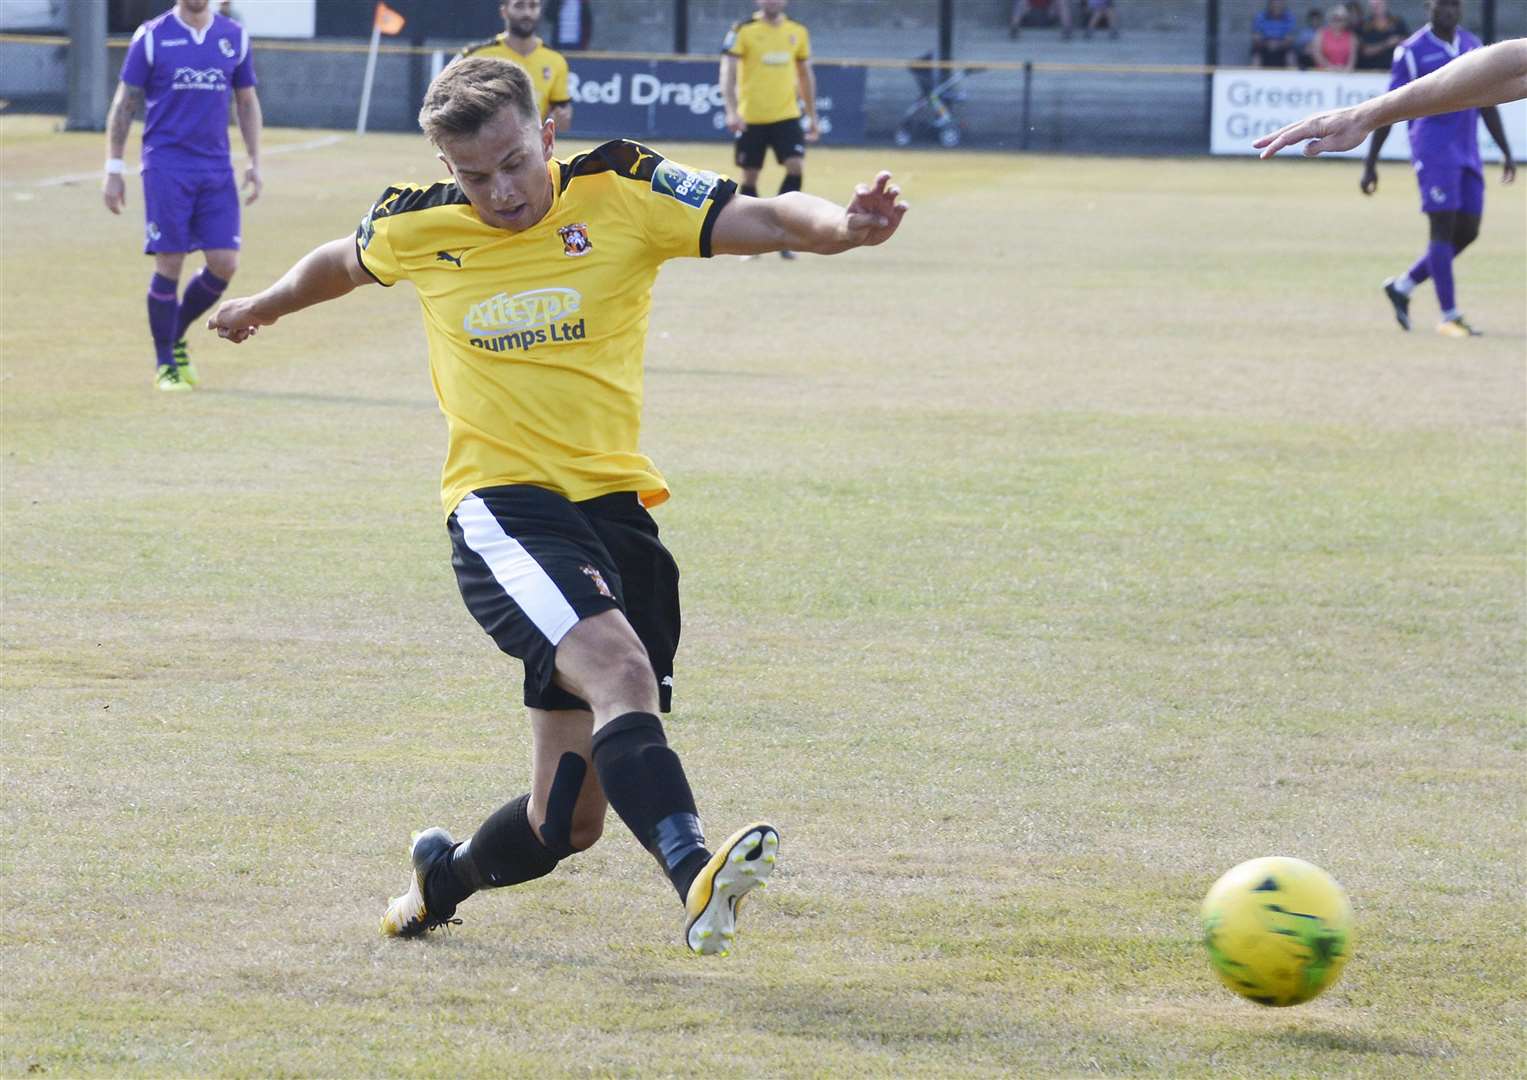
[{"x": 689, "y": 186}]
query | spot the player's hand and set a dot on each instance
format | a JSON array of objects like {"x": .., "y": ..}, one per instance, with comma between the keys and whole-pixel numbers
[
  {"x": 1508, "y": 171},
  {"x": 813, "y": 131},
  {"x": 114, "y": 192},
  {"x": 253, "y": 183},
  {"x": 874, "y": 213},
  {"x": 1339, "y": 130},
  {"x": 734, "y": 123},
  {"x": 1370, "y": 181},
  {"x": 236, "y": 321}
]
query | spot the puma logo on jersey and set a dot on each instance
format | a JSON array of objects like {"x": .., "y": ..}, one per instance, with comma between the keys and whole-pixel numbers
[
  {"x": 641, "y": 156},
  {"x": 446, "y": 256}
]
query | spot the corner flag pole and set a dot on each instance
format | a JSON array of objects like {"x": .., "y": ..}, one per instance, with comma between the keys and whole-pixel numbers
[
  {"x": 385, "y": 21},
  {"x": 376, "y": 43}
]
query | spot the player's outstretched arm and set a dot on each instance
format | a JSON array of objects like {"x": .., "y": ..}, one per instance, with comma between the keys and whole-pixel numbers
[
  {"x": 1475, "y": 80},
  {"x": 801, "y": 222},
  {"x": 325, "y": 273}
]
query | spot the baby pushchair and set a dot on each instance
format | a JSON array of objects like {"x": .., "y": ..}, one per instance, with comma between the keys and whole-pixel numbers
[{"x": 933, "y": 113}]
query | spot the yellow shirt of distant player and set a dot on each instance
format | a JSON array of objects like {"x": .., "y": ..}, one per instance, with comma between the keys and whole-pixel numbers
[
  {"x": 547, "y": 69},
  {"x": 536, "y": 338},
  {"x": 767, "y": 53}
]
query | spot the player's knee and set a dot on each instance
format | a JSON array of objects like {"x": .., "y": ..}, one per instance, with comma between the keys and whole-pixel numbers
[
  {"x": 224, "y": 266},
  {"x": 1465, "y": 234},
  {"x": 585, "y": 832},
  {"x": 630, "y": 668}
]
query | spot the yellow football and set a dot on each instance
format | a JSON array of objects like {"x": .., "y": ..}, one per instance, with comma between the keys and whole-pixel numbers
[{"x": 1278, "y": 930}]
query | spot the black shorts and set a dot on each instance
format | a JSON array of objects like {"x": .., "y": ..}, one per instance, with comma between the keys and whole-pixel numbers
[
  {"x": 531, "y": 563},
  {"x": 786, "y": 138}
]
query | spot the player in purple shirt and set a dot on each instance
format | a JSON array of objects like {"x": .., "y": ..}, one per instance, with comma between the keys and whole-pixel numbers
[
  {"x": 1445, "y": 152},
  {"x": 184, "y": 65}
]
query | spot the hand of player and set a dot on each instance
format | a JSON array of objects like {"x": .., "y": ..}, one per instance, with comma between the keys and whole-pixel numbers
[
  {"x": 1370, "y": 181},
  {"x": 1508, "y": 171},
  {"x": 813, "y": 131},
  {"x": 236, "y": 321},
  {"x": 114, "y": 192},
  {"x": 253, "y": 183},
  {"x": 875, "y": 212},
  {"x": 734, "y": 123},
  {"x": 1339, "y": 130}
]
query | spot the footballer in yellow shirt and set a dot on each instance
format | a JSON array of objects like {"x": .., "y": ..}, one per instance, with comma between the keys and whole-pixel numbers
[
  {"x": 534, "y": 276},
  {"x": 520, "y": 44},
  {"x": 765, "y": 75}
]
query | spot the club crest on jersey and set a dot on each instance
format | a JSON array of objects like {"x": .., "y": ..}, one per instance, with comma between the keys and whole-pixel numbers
[
  {"x": 546, "y": 74},
  {"x": 575, "y": 240},
  {"x": 225, "y": 47},
  {"x": 689, "y": 186}
]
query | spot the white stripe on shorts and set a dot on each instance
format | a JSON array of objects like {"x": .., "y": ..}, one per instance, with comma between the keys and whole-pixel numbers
[{"x": 515, "y": 570}]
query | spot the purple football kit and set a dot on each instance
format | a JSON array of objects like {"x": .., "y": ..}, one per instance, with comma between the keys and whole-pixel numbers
[
  {"x": 190, "y": 196},
  {"x": 1443, "y": 149}
]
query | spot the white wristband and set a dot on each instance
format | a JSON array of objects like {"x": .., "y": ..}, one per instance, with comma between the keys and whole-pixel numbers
[{"x": 115, "y": 167}]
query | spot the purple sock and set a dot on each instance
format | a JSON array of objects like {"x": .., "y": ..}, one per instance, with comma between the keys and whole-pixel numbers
[
  {"x": 1422, "y": 269},
  {"x": 1440, "y": 257},
  {"x": 201, "y": 294},
  {"x": 162, "y": 307}
]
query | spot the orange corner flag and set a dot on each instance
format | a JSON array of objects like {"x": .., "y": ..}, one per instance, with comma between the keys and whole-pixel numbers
[{"x": 388, "y": 21}]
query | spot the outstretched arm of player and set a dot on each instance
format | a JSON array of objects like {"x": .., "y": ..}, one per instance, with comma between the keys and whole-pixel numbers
[
  {"x": 325, "y": 273},
  {"x": 1483, "y": 77},
  {"x": 801, "y": 222}
]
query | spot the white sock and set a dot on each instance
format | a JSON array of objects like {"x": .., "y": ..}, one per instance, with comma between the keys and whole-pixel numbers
[
  {"x": 1403, "y": 285},
  {"x": 1450, "y": 314}
]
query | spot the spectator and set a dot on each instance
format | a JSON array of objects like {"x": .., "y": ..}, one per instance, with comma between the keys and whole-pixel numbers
[
  {"x": 1032, "y": 13},
  {"x": 1336, "y": 44},
  {"x": 1272, "y": 36},
  {"x": 572, "y": 23},
  {"x": 1382, "y": 33},
  {"x": 1100, "y": 14},
  {"x": 1304, "y": 44}
]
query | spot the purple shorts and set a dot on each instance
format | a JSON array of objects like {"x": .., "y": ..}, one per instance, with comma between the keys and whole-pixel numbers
[
  {"x": 190, "y": 211},
  {"x": 1450, "y": 187}
]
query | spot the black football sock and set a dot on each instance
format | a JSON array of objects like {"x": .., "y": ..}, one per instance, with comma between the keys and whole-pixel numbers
[
  {"x": 503, "y": 851},
  {"x": 645, "y": 783},
  {"x": 791, "y": 182},
  {"x": 751, "y": 190}
]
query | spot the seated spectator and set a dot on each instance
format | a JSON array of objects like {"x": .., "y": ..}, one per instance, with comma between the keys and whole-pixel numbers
[
  {"x": 1381, "y": 34},
  {"x": 1100, "y": 14},
  {"x": 1336, "y": 44},
  {"x": 1272, "y": 36},
  {"x": 1304, "y": 44},
  {"x": 1033, "y": 13}
]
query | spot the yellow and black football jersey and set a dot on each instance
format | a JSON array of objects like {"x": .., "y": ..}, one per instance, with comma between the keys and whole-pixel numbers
[
  {"x": 547, "y": 69},
  {"x": 536, "y": 337},
  {"x": 767, "y": 53}
]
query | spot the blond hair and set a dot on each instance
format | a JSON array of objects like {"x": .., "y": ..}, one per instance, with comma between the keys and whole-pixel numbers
[{"x": 470, "y": 92}]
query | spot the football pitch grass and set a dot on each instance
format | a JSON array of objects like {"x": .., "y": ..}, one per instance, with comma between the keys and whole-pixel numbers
[{"x": 1100, "y": 532}]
